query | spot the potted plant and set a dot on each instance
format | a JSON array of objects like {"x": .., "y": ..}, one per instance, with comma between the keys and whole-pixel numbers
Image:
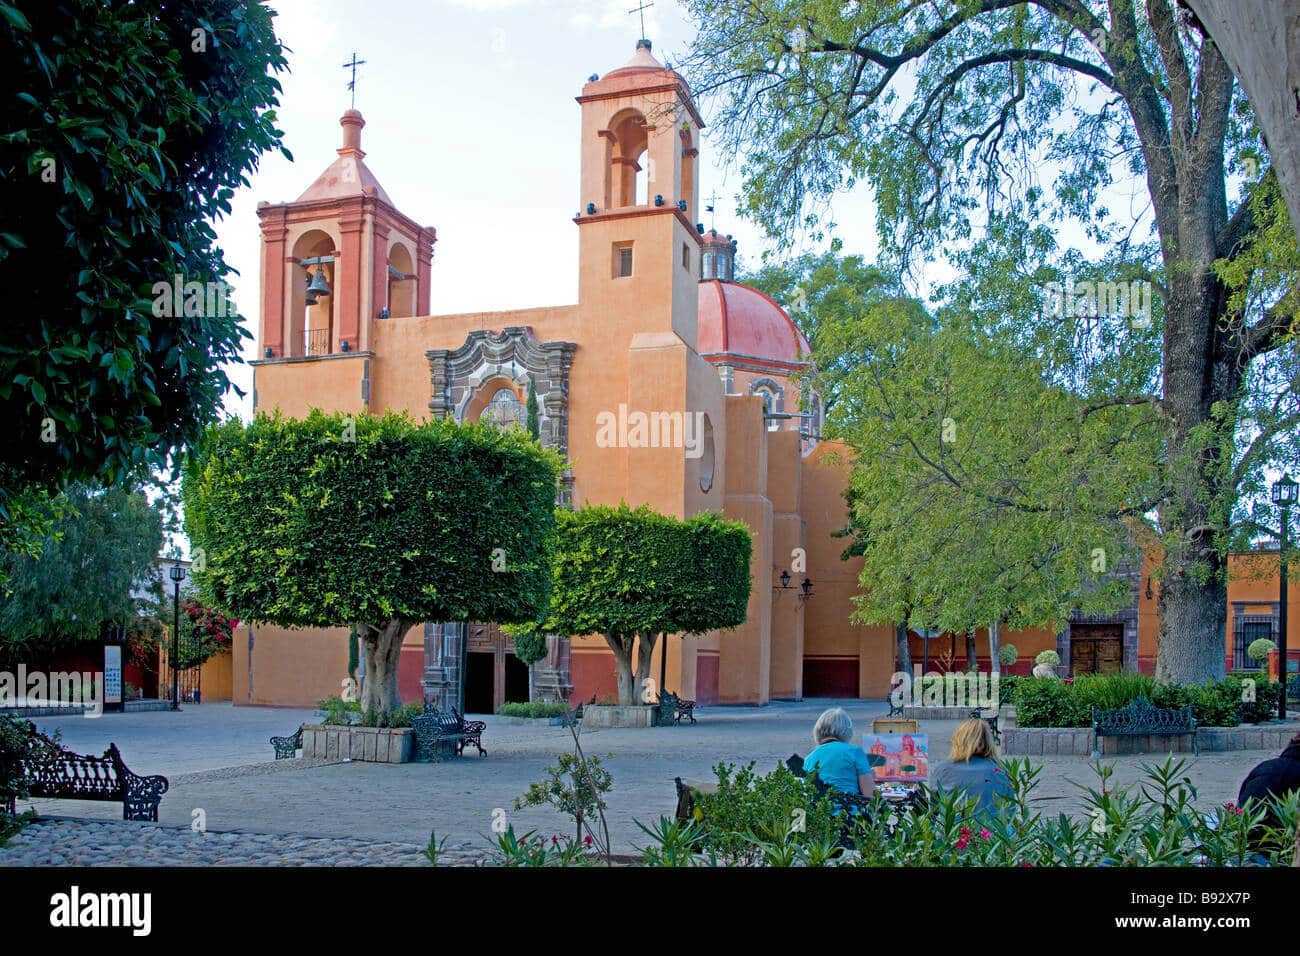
[{"x": 1045, "y": 664}]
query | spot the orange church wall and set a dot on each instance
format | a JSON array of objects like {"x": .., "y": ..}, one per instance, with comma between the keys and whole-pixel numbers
[
  {"x": 296, "y": 386},
  {"x": 400, "y": 371},
  {"x": 296, "y": 667}
]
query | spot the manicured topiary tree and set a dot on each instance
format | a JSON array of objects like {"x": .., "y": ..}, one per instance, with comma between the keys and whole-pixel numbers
[
  {"x": 374, "y": 521},
  {"x": 1008, "y": 655},
  {"x": 634, "y": 574},
  {"x": 1259, "y": 649}
]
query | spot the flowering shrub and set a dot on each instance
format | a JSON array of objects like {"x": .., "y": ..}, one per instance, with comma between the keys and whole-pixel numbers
[{"x": 205, "y": 632}]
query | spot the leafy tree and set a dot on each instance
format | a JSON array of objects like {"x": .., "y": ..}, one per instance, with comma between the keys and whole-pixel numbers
[
  {"x": 980, "y": 494},
  {"x": 375, "y": 521},
  {"x": 982, "y": 126},
  {"x": 97, "y": 564},
  {"x": 632, "y": 575},
  {"x": 124, "y": 131}
]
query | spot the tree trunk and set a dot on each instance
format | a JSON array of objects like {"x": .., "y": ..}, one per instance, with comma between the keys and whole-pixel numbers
[
  {"x": 1260, "y": 39},
  {"x": 622, "y": 648},
  {"x": 972, "y": 661},
  {"x": 382, "y": 645},
  {"x": 532, "y": 682},
  {"x": 644, "y": 682},
  {"x": 902, "y": 649},
  {"x": 995, "y": 647},
  {"x": 1202, "y": 376}
]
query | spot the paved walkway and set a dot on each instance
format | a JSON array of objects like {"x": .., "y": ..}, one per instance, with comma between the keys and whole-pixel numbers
[{"x": 216, "y": 758}]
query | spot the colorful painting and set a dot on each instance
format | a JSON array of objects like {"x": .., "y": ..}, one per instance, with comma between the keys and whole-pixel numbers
[{"x": 898, "y": 758}]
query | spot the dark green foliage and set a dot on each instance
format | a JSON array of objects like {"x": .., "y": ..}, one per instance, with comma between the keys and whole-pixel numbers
[
  {"x": 353, "y": 652},
  {"x": 626, "y": 571},
  {"x": 634, "y": 574},
  {"x": 104, "y": 544},
  {"x": 530, "y": 645},
  {"x": 534, "y": 423},
  {"x": 303, "y": 527},
  {"x": 748, "y": 810},
  {"x": 535, "y": 708},
  {"x": 348, "y": 713},
  {"x": 145, "y": 136},
  {"x": 1054, "y": 703}
]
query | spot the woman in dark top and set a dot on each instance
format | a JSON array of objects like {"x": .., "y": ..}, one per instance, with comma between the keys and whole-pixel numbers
[{"x": 1273, "y": 778}]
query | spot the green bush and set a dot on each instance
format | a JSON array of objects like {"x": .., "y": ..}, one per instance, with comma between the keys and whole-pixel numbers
[
  {"x": 535, "y": 708},
  {"x": 1259, "y": 649},
  {"x": 747, "y": 811},
  {"x": 1214, "y": 703},
  {"x": 1008, "y": 655},
  {"x": 1007, "y": 684},
  {"x": 348, "y": 713},
  {"x": 1048, "y": 703}
]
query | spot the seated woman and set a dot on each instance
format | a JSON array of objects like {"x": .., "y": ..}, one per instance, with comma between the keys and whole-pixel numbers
[
  {"x": 974, "y": 769},
  {"x": 838, "y": 762}
]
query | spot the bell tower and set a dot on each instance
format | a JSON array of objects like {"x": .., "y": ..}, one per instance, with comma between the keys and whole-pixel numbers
[
  {"x": 640, "y": 198},
  {"x": 338, "y": 258}
]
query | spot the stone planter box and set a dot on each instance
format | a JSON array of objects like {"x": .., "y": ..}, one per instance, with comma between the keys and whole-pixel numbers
[
  {"x": 606, "y": 715},
  {"x": 372, "y": 744},
  {"x": 1079, "y": 741}
]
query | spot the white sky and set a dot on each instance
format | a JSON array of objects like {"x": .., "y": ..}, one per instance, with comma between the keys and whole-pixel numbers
[{"x": 471, "y": 127}]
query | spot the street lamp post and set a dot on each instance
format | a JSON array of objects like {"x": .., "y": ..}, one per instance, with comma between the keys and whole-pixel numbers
[
  {"x": 177, "y": 573},
  {"x": 1284, "y": 496}
]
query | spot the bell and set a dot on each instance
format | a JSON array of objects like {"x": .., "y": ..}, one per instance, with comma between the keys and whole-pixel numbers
[
  {"x": 311, "y": 297},
  {"x": 317, "y": 284}
]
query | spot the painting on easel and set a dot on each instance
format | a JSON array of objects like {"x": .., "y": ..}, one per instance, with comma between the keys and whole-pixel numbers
[{"x": 898, "y": 758}]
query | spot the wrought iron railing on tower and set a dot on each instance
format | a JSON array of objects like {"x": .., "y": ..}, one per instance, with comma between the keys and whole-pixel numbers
[{"x": 313, "y": 342}]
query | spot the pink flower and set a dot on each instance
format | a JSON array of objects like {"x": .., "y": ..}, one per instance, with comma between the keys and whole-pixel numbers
[
  {"x": 963, "y": 843},
  {"x": 965, "y": 833},
  {"x": 554, "y": 840},
  {"x": 587, "y": 840},
  {"x": 984, "y": 834}
]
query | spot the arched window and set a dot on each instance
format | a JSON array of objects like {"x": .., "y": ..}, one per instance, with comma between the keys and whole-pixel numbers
[
  {"x": 773, "y": 396},
  {"x": 505, "y": 409},
  {"x": 628, "y": 173},
  {"x": 401, "y": 282},
  {"x": 312, "y": 315}
]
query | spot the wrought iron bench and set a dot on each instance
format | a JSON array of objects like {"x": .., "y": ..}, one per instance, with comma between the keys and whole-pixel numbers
[
  {"x": 57, "y": 774},
  {"x": 672, "y": 708},
  {"x": 440, "y": 734},
  {"x": 286, "y": 748},
  {"x": 1142, "y": 719}
]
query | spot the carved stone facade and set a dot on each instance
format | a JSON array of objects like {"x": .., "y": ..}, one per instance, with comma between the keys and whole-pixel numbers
[{"x": 456, "y": 377}]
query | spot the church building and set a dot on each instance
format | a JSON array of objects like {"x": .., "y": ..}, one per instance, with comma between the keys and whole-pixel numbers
[{"x": 661, "y": 334}]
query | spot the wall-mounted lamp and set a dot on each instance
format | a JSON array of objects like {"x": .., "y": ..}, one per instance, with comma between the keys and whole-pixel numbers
[
  {"x": 659, "y": 200},
  {"x": 785, "y": 582},
  {"x": 269, "y": 353},
  {"x": 681, "y": 204},
  {"x": 593, "y": 78},
  {"x": 344, "y": 346},
  {"x": 807, "y": 590},
  {"x": 383, "y": 313},
  {"x": 1150, "y": 595},
  {"x": 699, "y": 227},
  {"x": 591, "y": 209}
]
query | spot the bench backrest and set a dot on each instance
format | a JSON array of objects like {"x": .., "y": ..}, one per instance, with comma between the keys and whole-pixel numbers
[
  {"x": 51, "y": 771},
  {"x": 1142, "y": 717}
]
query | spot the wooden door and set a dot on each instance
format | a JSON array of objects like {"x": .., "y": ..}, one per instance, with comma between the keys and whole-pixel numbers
[{"x": 1096, "y": 649}]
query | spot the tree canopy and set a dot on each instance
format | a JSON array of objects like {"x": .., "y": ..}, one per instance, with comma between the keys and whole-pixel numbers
[
  {"x": 97, "y": 564},
  {"x": 376, "y": 521},
  {"x": 983, "y": 129},
  {"x": 125, "y": 130},
  {"x": 634, "y": 574}
]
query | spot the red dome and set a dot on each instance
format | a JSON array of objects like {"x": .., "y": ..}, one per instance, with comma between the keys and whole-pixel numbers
[{"x": 736, "y": 320}]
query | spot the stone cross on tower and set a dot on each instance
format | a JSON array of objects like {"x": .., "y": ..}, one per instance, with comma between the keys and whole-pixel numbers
[
  {"x": 641, "y": 10},
  {"x": 352, "y": 85}
]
